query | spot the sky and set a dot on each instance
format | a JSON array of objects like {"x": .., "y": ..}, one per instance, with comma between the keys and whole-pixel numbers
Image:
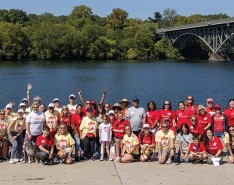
[{"x": 136, "y": 8}]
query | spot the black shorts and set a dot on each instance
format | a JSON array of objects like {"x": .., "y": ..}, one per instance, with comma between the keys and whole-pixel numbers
[{"x": 135, "y": 156}]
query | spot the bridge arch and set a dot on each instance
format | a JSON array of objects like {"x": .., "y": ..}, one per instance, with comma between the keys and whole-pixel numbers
[
  {"x": 195, "y": 36},
  {"x": 224, "y": 42}
]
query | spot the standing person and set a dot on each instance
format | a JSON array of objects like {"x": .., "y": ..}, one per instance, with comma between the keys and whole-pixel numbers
[
  {"x": 117, "y": 108},
  {"x": 105, "y": 135},
  {"x": 9, "y": 112},
  {"x": 210, "y": 106},
  {"x": 166, "y": 113},
  {"x": 190, "y": 107},
  {"x": 136, "y": 116},
  {"x": 152, "y": 116},
  {"x": 76, "y": 119},
  {"x": 64, "y": 144},
  {"x": 229, "y": 143},
  {"x": 197, "y": 151},
  {"x": 165, "y": 142},
  {"x": 219, "y": 122},
  {"x": 66, "y": 118},
  {"x": 45, "y": 144},
  {"x": 57, "y": 107},
  {"x": 88, "y": 133},
  {"x": 124, "y": 104},
  {"x": 196, "y": 129},
  {"x": 4, "y": 147},
  {"x": 147, "y": 143},
  {"x": 130, "y": 151},
  {"x": 214, "y": 146},
  {"x": 182, "y": 116},
  {"x": 14, "y": 131},
  {"x": 34, "y": 123},
  {"x": 100, "y": 113},
  {"x": 52, "y": 118},
  {"x": 72, "y": 104},
  {"x": 203, "y": 117},
  {"x": 118, "y": 131},
  {"x": 184, "y": 138},
  {"x": 229, "y": 112}
]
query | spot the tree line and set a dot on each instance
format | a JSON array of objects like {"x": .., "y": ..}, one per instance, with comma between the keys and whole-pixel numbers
[{"x": 83, "y": 35}]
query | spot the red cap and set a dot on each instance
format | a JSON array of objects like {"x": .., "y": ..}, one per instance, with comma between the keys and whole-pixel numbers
[
  {"x": 210, "y": 100},
  {"x": 93, "y": 102},
  {"x": 217, "y": 106}
]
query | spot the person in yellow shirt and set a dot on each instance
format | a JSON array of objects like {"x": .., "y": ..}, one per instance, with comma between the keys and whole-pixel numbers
[
  {"x": 130, "y": 151},
  {"x": 165, "y": 142},
  {"x": 65, "y": 144},
  {"x": 88, "y": 133}
]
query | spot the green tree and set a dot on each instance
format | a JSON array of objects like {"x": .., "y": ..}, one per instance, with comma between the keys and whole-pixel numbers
[
  {"x": 117, "y": 19},
  {"x": 157, "y": 17},
  {"x": 13, "y": 42},
  {"x": 81, "y": 11}
]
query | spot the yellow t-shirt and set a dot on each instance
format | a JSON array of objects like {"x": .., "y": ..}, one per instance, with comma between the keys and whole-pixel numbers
[
  {"x": 88, "y": 126},
  {"x": 52, "y": 119},
  {"x": 64, "y": 141},
  {"x": 227, "y": 141},
  {"x": 3, "y": 126},
  {"x": 163, "y": 138},
  {"x": 131, "y": 141},
  {"x": 18, "y": 125}
]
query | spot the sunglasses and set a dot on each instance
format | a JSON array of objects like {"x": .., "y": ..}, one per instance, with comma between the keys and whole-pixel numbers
[
  {"x": 231, "y": 130},
  {"x": 62, "y": 128},
  {"x": 189, "y": 99},
  {"x": 166, "y": 104},
  {"x": 165, "y": 127},
  {"x": 2, "y": 114},
  {"x": 201, "y": 110},
  {"x": 193, "y": 120}
]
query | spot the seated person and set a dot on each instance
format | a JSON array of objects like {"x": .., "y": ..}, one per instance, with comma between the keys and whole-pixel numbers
[
  {"x": 45, "y": 143},
  {"x": 197, "y": 150},
  {"x": 147, "y": 143},
  {"x": 64, "y": 144},
  {"x": 165, "y": 142},
  {"x": 229, "y": 142}
]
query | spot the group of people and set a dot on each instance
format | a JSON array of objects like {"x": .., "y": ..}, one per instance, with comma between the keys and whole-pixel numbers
[{"x": 122, "y": 132}]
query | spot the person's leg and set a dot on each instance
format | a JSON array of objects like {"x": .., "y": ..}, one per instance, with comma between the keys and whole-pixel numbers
[
  {"x": 5, "y": 146},
  {"x": 102, "y": 150},
  {"x": 108, "y": 149},
  {"x": 117, "y": 148},
  {"x": 92, "y": 142},
  {"x": 42, "y": 155},
  {"x": 86, "y": 147},
  {"x": 77, "y": 146},
  {"x": 14, "y": 146},
  {"x": 127, "y": 158}
]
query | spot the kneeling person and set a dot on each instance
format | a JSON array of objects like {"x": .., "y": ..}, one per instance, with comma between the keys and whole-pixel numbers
[
  {"x": 130, "y": 151},
  {"x": 147, "y": 143},
  {"x": 45, "y": 143}
]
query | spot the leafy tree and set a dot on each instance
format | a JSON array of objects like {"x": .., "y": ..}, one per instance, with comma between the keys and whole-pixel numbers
[
  {"x": 157, "y": 17},
  {"x": 17, "y": 16},
  {"x": 169, "y": 15},
  {"x": 81, "y": 11},
  {"x": 13, "y": 42},
  {"x": 117, "y": 19}
]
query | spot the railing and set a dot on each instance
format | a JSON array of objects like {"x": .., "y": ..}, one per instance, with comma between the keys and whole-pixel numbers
[{"x": 196, "y": 25}]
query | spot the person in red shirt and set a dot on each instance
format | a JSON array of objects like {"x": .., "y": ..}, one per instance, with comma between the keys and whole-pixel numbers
[
  {"x": 152, "y": 116},
  {"x": 219, "y": 122},
  {"x": 182, "y": 116},
  {"x": 214, "y": 146},
  {"x": 45, "y": 143},
  {"x": 66, "y": 118},
  {"x": 167, "y": 112},
  {"x": 229, "y": 143},
  {"x": 118, "y": 131},
  {"x": 196, "y": 128},
  {"x": 76, "y": 119},
  {"x": 190, "y": 107},
  {"x": 197, "y": 150},
  {"x": 229, "y": 112},
  {"x": 203, "y": 117},
  {"x": 210, "y": 106},
  {"x": 147, "y": 143}
]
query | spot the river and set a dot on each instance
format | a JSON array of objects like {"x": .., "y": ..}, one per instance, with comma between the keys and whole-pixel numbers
[{"x": 152, "y": 80}]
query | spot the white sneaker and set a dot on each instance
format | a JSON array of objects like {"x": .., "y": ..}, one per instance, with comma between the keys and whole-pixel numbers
[
  {"x": 117, "y": 159},
  {"x": 12, "y": 161},
  {"x": 169, "y": 161},
  {"x": 110, "y": 159},
  {"x": 16, "y": 160}
]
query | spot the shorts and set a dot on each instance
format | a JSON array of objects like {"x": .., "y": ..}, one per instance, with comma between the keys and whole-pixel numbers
[
  {"x": 219, "y": 134},
  {"x": 135, "y": 156},
  {"x": 165, "y": 153}
]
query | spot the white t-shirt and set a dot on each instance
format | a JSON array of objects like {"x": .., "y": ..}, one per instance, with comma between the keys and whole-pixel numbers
[
  {"x": 35, "y": 121},
  {"x": 105, "y": 130}
]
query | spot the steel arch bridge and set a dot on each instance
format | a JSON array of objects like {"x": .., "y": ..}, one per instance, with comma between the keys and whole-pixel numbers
[{"x": 215, "y": 34}]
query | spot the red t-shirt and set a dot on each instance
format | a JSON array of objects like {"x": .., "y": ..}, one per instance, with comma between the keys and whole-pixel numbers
[
  {"x": 170, "y": 114},
  {"x": 191, "y": 110},
  {"x": 151, "y": 117},
  {"x": 45, "y": 142},
  {"x": 204, "y": 119},
  {"x": 196, "y": 130},
  {"x": 214, "y": 146},
  {"x": 181, "y": 117},
  {"x": 120, "y": 125},
  {"x": 67, "y": 122},
  {"x": 230, "y": 116},
  {"x": 76, "y": 121},
  {"x": 219, "y": 122},
  {"x": 146, "y": 139},
  {"x": 84, "y": 111},
  {"x": 194, "y": 148},
  {"x": 210, "y": 110}
]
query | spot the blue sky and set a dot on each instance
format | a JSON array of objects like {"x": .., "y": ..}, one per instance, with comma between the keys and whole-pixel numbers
[{"x": 136, "y": 8}]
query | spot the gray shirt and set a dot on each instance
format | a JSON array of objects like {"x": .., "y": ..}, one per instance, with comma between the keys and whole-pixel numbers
[
  {"x": 185, "y": 140},
  {"x": 136, "y": 115},
  {"x": 35, "y": 121}
]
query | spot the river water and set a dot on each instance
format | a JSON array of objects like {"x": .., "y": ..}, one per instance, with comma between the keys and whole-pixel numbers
[{"x": 152, "y": 80}]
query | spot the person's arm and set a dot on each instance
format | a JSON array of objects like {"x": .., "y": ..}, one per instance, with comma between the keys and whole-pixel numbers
[
  {"x": 100, "y": 134},
  {"x": 9, "y": 130},
  {"x": 28, "y": 130},
  {"x": 29, "y": 87},
  {"x": 110, "y": 137},
  {"x": 171, "y": 143},
  {"x": 123, "y": 150},
  {"x": 103, "y": 96},
  {"x": 208, "y": 126},
  {"x": 133, "y": 148},
  {"x": 218, "y": 153},
  {"x": 80, "y": 96},
  {"x": 72, "y": 148},
  {"x": 159, "y": 149},
  {"x": 180, "y": 148},
  {"x": 44, "y": 149},
  {"x": 51, "y": 152}
]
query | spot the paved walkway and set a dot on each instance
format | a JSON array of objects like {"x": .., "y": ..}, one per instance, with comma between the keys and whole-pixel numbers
[{"x": 114, "y": 173}]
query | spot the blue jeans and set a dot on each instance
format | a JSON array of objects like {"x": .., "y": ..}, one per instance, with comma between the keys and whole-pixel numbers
[
  {"x": 219, "y": 134},
  {"x": 77, "y": 144},
  {"x": 17, "y": 146}
]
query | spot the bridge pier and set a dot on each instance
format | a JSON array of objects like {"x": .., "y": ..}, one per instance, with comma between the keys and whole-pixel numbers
[{"x": 221, "y": 56}]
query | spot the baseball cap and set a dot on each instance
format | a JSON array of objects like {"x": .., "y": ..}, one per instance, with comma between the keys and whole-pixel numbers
[
  {"x": 24, "y": 99},
  {"x": 56, "y": 99},
  {"x": 146, "y": 126},
  {"x": 9, "y": 106},
  {"x": 72, "y": 96},
  {"x": 51, "y": 105},
  {"x": 209, "y": 100},
  {"x": 217, "y": 106},
  {"x": 111, "y": 112},
  {"x": 135, "y": 99},
  {"x": 20, "y": 111}
]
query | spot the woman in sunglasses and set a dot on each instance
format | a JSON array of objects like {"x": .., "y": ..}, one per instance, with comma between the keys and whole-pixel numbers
[
  {"x": 203, "y": 117},
  {"x": 190, "y": 107},
  {"x": 229, "y": 143}
]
